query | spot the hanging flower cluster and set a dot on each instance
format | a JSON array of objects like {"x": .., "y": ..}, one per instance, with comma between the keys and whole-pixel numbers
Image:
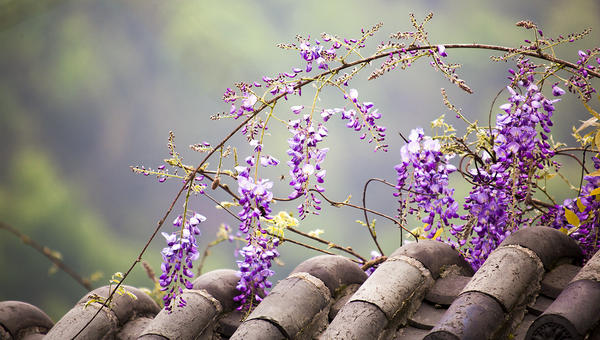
[
  {"x": 580, "y": 217},
  {"x": 306, "y": 158},
  {"x": 362, "y": 118},
  {"x": 255, "y": 199},
  {"x": 504, "y": 180},
  {"x": 427, "y": 183},
  {"x": 579, "y": 83},
  {"x": 317, "y": 53},
  {"x": 181, "y": 250},
  {"x": 255, "y": 270}
]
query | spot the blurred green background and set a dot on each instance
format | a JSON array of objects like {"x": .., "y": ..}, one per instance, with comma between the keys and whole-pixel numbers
[{"x": 88, "y": 88}]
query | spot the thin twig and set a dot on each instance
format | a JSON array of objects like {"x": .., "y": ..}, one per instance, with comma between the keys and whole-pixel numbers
[
  {"x": 364, "y": 202},
  {"x": 48, "y": 254},
  {"x": 374, "y": 262},
  {"x": 574, "y": 157},
  {"x": 339, "y": 204},
  {"x": 330, "y": 244},
  {"x": 314, "y": 248}
]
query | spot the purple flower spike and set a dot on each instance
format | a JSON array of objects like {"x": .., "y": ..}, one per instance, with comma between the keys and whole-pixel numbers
[
  {"x": 178, "y": 256},
  {"x": 427, "y": 184},
  {"x": 306, "y": 158}
]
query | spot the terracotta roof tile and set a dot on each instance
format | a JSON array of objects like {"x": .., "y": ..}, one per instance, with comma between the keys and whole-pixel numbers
[{"x": 531, "y": 287}]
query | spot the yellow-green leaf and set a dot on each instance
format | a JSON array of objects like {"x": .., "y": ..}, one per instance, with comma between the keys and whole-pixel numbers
[
  {"x": 564, "y": 230},
  {"x": 572, "y": 218},
  {"x": 595, "y": 173},
  {"x": 438, "y": 233},
  {"x": 594, "y": 192},
  {"x": 547, "y": 176},
  {"x": 590, "y": 122},
  {"x": 597, "y": 140},
  {"x": 580, "y": 205}
]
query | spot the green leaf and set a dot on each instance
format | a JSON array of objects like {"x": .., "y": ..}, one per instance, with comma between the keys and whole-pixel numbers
[{"x": 572, "y": 218}]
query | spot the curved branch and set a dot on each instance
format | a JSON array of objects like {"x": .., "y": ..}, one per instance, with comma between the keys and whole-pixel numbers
[
  {"x": 331, "y": 245},
  {"x": 364, "y": 205},
  {"x": 574, "y": 157},
  {"x": 339, "y": 204},
  {"x": 46, "y": 252}
]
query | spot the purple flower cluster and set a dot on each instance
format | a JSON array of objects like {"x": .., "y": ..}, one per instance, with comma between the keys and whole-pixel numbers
[
  {"x": 490, "y": 206},
  {"x": 516, "y": 143},
  {"x": 306, "y": 159},
  {"x": 181, "y": 250},
  {"x": 260, "y": 249},
  {"x": 255, "y": 270},
  {"x": 255, "y": 199},
  {"x": 281, "y": 84},
  {"x": 586, "y": 208},
  {"x": 248, "y": 99},
  {"x": 318, "y": 53},
  {"x": 361, "y": 119},
  {"x": 427, "y": 183},
  {"x": 579, "y": 82},
  {"x": 504, "y": 179}
]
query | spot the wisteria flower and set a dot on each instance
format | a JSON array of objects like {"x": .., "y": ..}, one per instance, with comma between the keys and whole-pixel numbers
[
  {"x": 255, "y": 270},
  {"x": 178, "y": 259},
  {"x": 427, "y": 183},
  {"x": 306, "y": 157}
]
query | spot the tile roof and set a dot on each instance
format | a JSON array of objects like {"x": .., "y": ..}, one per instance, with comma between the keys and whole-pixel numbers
[{"x": 532, "y": 287}]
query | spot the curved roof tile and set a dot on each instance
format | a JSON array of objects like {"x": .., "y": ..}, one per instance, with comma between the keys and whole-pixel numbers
[{"x": 531, "y": 287}]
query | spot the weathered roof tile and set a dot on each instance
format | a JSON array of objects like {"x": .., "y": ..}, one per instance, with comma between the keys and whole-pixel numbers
[
  {"x": 20, "y": 319},
  {"x": 446, "y": 289},
  {"x": 427, "y": 316},
  {"x": 108, "y": 322},
  {"x": 529, "y": 288},
  {"x": 576, "y": 311},
  {"x": 556, "y": 280}
]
